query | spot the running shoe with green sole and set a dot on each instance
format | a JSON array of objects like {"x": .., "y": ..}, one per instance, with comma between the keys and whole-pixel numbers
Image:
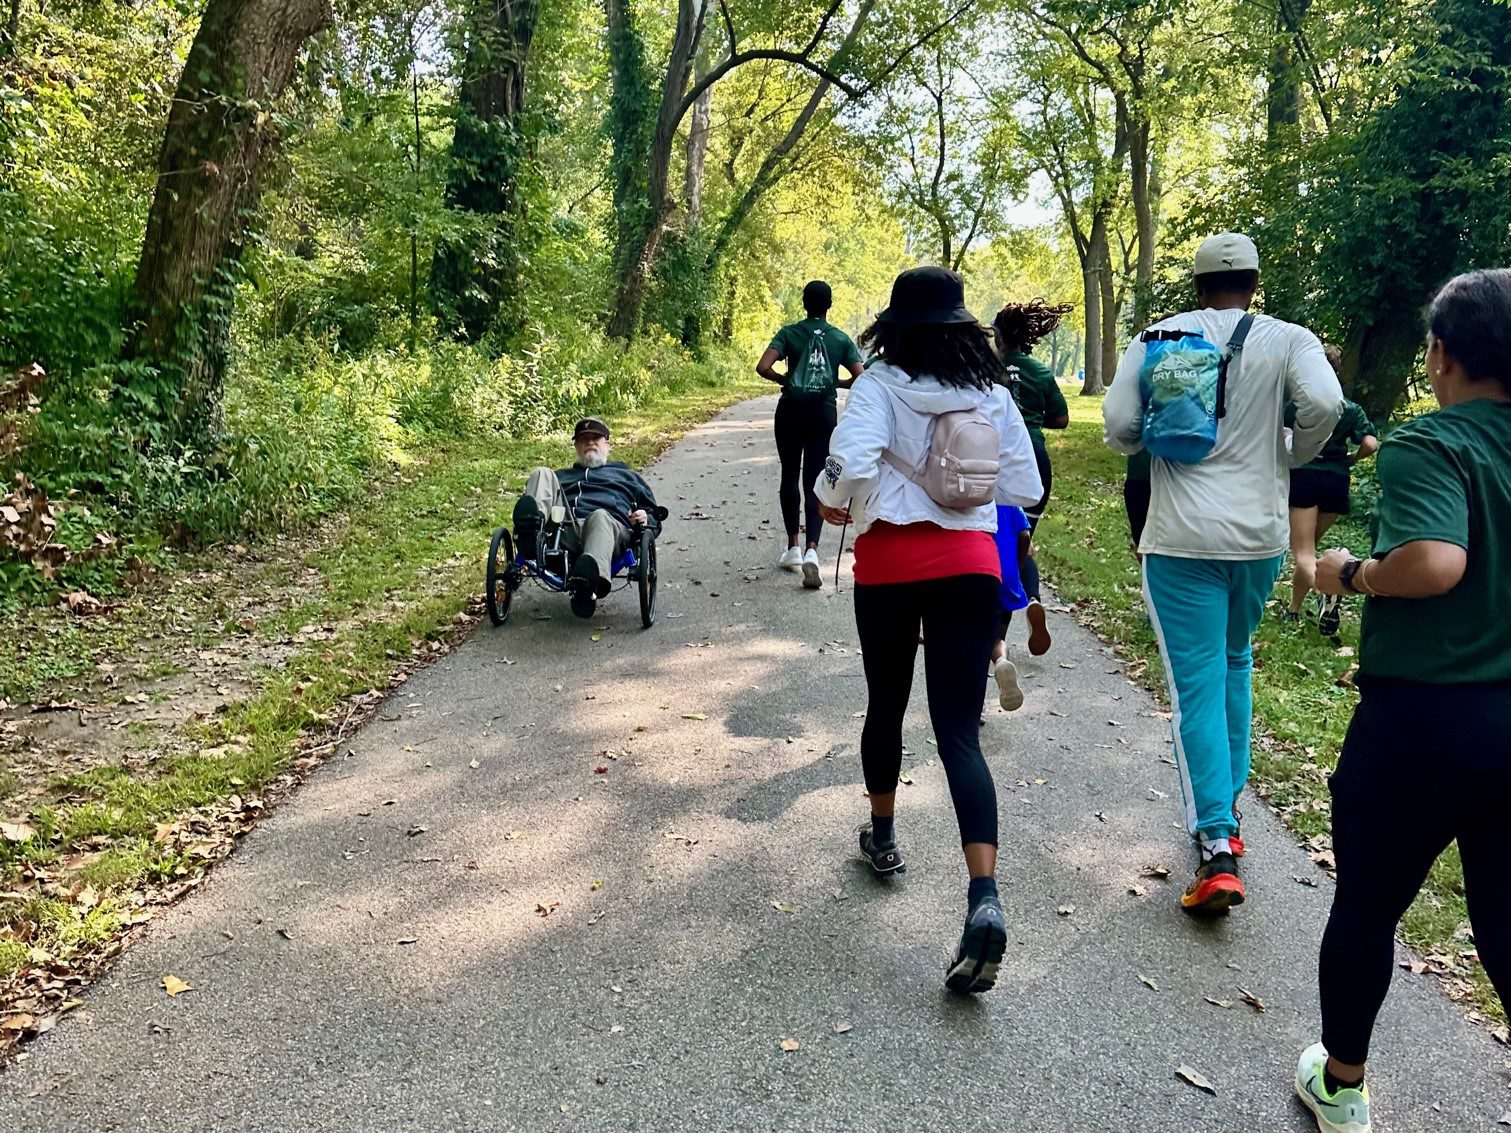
[{"x": 1346, "y": 1111}]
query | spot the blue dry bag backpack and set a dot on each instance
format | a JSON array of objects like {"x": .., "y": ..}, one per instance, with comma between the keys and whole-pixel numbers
[{"x": 1184, "y": 385}]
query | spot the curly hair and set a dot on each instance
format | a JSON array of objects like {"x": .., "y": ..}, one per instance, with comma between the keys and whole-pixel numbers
[
  {"x": 957, "y": 354},
  {"x": 1020, "y": 325}
]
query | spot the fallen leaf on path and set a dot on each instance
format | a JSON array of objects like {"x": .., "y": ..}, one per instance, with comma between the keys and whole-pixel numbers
[
  {"x": 545, "y": 909},
  {"x": 283, "y": 932},
  {"x": 1136, "y": 890},
  {"x": 597, "y": 884},
  {"x": 695, "y": 715},
  {"x": 1147, "y": 982},
  {"x": 408, "y": 940},
  {"x": 601, "y": 769},
  {"x": 16, "y": 831},
  {"x": 1195, "y": 1078},
  {"x": 781, "y": 908},
  {"x": 21, "y": 1022},
  {"x": 1223, "y": 1003},
  {"x": 1415, "y": 967},
  {"x": 1310, "y": 882},
  {"x": 908, "y": 779},
  {"x": 1066, "y": 910},
  {"x": 1252, "y": 1000},
  {"x": 843, "y": 1028},
  {"x": 1057, "y": 712},
  {"x": 1158, "y": 872},
  {"x": 415, "y": 831},
  {"x": 790, "y": 1045},
  {"x": 474, "y": 765},
  {"x": 175, "y": 986},
  {"x": 598, "y": 637}
]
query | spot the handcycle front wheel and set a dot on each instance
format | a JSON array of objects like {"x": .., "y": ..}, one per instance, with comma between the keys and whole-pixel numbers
[
  {"x": 503, "y": 579},
  {"x": 646, "y": 576}
]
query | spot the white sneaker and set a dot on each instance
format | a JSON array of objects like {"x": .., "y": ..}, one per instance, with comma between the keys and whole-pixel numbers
[
  {"x": 1347, "y": 1111},
  {"x": 792, "y": 559},
  {"x": 811, "y": 579},
  {"x": 1009, "y": 692}
]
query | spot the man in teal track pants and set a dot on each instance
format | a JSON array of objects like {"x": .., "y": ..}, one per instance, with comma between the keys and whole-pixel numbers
[{"x": 1215, "y": 539}]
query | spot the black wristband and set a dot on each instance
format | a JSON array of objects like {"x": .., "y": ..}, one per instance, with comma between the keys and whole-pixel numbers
[{"x": 1346, "y": 575}]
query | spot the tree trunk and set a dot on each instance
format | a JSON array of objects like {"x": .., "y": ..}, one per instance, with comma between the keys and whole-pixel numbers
[
  {"x": 697, "y": 158},
  {"x": 215, "y": 148},
  {"x": 1377, "y": 362},
  {"x": 1092, "y": 261},
  {"x": 642, "y": 221},
  {"x": 475, "y": 279},
  {"x": 11, "y": 30},
  {"x": 1111, "y": 309},
  {"x": 1143, "y": 215},
  {"x": 1283, "y": 101}
]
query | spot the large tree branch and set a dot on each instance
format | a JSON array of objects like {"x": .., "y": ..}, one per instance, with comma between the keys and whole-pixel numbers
[{"x": 921, "y": 41}]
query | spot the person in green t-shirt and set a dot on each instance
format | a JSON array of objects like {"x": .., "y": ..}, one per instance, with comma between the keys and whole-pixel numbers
[
  {"x": 1019, "y": 327},
  {"x": 1319, "y": 496},
  {"x": 1427, "y": 758},
  {"x": 814, "y": 352}
]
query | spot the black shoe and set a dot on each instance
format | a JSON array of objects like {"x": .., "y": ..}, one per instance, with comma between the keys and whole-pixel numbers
[
  {"x": 982, "y": 946},
  {"x": 1331, "y": 615},
  {"x": 527, "y": 523},
  {"x": 885, "y": 858},
  {"x": 586, "y": 571},
  {"x": 584, "y": 605}
]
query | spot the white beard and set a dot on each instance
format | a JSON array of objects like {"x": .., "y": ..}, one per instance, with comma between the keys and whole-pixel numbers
[{"x": 592, "y": 460}]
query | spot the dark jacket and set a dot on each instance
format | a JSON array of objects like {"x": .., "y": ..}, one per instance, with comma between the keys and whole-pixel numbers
[{"x": 615, "y": 487}]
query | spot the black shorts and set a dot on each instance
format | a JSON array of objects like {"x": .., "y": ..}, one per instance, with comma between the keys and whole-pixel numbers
[{"x": 1318, "y": 488}]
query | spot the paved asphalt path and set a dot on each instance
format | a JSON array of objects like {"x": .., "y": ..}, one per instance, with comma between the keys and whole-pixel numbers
[{"x": 703, "y": 902}]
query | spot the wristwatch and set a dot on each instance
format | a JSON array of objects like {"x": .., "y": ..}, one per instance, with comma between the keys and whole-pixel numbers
[{"x": 1346, "y": 575}]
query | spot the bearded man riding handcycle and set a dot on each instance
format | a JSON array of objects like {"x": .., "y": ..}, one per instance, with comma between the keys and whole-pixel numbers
[{"x": 578, "y": 527}]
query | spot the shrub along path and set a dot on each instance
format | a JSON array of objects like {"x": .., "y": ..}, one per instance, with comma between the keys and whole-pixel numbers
[{"x": 579, "y": 875}]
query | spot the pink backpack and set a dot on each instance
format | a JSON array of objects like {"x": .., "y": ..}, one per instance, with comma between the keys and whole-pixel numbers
[{"x": 960, "y": 468}]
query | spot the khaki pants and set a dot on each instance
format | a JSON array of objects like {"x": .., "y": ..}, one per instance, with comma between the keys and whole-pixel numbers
[{"x": 600, "y": 535}]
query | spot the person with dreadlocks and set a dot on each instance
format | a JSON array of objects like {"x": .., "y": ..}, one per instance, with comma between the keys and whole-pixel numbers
[{"x": 1019, "y": 326}]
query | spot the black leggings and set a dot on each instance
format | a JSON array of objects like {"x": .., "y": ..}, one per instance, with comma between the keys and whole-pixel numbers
[
  {"x": 802, "y": 445},
  {"x": 958, "y": 616},
  {"x": 1422, "y": 765}
]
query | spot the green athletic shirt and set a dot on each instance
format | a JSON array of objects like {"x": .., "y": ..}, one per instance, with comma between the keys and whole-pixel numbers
[
  {"x": 1035, "y": 390},
  {"x": 1446, "y": 477},
  {"x": 795, "y": 338},
  {"x": 1351, "y": 429}
]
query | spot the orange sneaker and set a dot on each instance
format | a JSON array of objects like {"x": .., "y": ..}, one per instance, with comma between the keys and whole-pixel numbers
[
  {"x": 1235, "y": 843},
  {"x": 1215, "y": 888}
]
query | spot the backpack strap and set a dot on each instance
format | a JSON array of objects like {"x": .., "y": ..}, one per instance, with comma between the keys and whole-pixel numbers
[
  {"x": 901, "y": 465},
  {"x": 1235, "y": 346}
]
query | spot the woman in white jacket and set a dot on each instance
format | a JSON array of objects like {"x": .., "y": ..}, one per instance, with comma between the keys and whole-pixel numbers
[{"x": 921, "y": 565}]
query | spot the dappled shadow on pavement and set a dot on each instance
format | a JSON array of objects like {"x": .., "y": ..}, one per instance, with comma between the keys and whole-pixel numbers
[{"x": 468, "y": 925}]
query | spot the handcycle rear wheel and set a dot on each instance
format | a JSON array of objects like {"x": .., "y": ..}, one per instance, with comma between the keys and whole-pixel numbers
[
  {"x": 503, "y": 579},
  {"x": 646, "y": 576}
]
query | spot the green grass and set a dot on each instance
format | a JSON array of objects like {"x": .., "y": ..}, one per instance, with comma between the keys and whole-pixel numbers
[
  {"x": 393, "y": 576},
  {"x": 1301, "y": 712}
]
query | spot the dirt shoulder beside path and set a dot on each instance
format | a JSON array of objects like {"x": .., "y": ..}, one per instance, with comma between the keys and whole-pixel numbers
[{"x": 140, "y": 740}]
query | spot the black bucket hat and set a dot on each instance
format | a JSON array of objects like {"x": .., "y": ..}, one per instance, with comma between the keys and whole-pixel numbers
[{"x": 927, "y": 295}]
